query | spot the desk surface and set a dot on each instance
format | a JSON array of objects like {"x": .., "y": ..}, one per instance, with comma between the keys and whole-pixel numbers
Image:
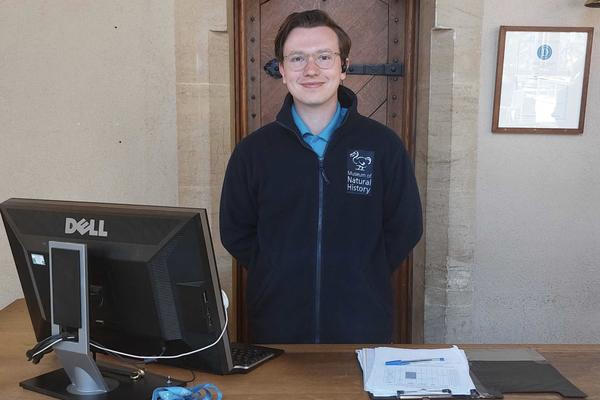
[{"x": 328, "y": 372}]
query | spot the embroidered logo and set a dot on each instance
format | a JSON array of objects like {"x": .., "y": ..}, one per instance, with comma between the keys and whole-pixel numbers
[{"x": 360, "y": 172}]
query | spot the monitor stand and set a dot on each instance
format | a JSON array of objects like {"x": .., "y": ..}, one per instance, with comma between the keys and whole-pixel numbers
[
  {"x": 55, "y": 384},
  {"x": 80, "y": 377}
]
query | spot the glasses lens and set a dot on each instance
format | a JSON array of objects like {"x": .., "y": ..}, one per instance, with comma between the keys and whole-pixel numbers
[
  {"x": 297, "y": 61},
  {"x": 324, "y": 60}
]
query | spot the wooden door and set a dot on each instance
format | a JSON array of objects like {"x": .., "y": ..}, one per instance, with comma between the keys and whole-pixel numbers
[{"x": 382, "y": 32}]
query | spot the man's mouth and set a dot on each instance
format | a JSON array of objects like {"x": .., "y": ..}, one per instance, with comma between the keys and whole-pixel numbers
[{"x": 312, "y": 85}]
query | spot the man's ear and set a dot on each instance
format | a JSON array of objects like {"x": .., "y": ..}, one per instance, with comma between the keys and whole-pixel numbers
[
  {"x": 282, "y": 72},
  {"x": 345, "y": 66}
]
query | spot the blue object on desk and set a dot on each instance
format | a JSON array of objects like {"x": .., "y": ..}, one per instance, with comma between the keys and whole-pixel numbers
[
  {"x": 199, "y": 392},
  {"x": 406, "y": 362}
]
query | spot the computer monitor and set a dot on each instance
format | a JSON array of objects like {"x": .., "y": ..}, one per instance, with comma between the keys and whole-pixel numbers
[{"x": 153, "y": 283}]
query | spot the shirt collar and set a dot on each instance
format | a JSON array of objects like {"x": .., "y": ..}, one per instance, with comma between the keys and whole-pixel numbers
[{"x": 327, "y": 131}]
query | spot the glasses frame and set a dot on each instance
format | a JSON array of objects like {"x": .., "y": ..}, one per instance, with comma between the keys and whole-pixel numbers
[{"x": 314, "y": 57}]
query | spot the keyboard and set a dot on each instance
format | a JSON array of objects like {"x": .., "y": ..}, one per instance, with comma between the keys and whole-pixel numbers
[{"x": 246, "y": 356}]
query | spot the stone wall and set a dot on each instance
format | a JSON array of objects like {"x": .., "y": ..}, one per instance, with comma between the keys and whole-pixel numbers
[
  {"x": 204, "y": 139},
  {"x": 511, "y": 229},
  {"x": 87, "y": 106},
  {"x": 452, "y": 154}
]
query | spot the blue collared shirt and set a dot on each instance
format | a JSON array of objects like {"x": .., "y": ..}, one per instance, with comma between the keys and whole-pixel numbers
[{"x": 319, "y": 142}]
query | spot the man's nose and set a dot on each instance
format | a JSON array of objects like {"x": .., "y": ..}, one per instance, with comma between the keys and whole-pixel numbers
[{"x": 311, "y": 67}]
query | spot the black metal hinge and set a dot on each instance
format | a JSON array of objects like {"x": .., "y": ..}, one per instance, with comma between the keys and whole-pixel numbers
[
  {"x": 394, "y": 69},
  {"x": 272, "y": 68}
]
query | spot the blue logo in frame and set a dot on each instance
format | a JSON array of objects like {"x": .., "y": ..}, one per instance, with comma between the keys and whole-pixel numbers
[{"x": 544, "y": 52}]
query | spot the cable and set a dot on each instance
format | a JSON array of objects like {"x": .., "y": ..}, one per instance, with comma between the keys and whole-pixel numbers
[
  {"x": 36, "y": 353},
  {"x": 43, "y": 342},
  {"x": 192, "y": 379},
  {"x": 137, "y": 365},
  {"x": 137, "y": 370},
  {"x": 47, "y": 347},
  {"x": 166, "y": 357}
]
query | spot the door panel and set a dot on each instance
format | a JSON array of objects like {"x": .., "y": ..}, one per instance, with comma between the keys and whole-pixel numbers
[
  {"x": 381, "y": 32},
  {"x": 372, "y": 96},
  {"x": 380, "y": 114}
]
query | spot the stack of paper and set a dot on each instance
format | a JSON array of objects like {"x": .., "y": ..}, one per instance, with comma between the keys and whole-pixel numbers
[{"x": 415, "y": 372}]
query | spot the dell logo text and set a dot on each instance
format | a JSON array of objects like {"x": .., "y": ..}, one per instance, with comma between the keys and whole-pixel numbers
[{"x": 84, "y": 227}]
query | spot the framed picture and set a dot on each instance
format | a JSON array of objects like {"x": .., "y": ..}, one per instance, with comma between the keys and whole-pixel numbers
[{"x": 542, "y": 79}]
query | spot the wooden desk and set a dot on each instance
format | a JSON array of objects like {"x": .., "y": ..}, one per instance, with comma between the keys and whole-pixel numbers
[{"x": 327, "y": 372}]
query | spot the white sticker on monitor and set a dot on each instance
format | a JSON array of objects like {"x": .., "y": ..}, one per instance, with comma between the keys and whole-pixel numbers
[{"x": 38, "y": 259}]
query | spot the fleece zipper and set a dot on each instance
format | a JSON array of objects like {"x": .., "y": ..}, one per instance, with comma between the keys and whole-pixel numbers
[{"x": 322, "y": 179}]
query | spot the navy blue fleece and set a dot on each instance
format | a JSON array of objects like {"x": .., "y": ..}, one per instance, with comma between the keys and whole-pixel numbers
[{"x": 320, "y": 239}]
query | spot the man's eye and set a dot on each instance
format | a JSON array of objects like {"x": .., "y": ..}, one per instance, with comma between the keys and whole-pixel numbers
[
  {"x": 325, "y": 56},
  {"x": 297, "y": 59}
]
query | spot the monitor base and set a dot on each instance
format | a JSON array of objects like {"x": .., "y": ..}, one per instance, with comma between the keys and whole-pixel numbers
[{"x": 55, "y": 383}]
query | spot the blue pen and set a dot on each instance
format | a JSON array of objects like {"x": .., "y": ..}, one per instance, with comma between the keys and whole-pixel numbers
[{"x": 406, "y": 362}]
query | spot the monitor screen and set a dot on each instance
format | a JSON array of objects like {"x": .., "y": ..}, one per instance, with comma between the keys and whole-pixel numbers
[{"x": 152, "y": 277}]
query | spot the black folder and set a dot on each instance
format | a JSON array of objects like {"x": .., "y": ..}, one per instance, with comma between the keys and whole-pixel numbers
[{"x": 518, "y": 371}]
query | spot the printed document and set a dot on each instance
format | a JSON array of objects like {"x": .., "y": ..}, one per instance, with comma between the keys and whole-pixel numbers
[{"x": 415, "y": 372}]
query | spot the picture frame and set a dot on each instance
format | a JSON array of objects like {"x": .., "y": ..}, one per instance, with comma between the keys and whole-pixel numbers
[{"x": 542, "y": 76}]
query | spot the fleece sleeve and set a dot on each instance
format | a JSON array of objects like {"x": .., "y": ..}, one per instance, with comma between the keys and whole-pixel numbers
[
  {"x": 402, "y": 219},
  {"x": 238, "y": 212}
]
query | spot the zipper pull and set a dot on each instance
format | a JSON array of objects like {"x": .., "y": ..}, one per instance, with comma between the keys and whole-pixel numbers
[{"x": 322, "y": 170}]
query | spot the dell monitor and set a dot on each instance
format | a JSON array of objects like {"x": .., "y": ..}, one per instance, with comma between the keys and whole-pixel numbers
[{"x": 153, "y": 285}]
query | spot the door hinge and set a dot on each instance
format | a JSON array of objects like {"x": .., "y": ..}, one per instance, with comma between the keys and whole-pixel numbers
[
  {"x": 272, "y": 68},
  {"x": 394, "y": 69}
]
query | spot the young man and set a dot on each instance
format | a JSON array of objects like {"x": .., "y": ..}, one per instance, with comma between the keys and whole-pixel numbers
[{"x": 320, "y": 205}]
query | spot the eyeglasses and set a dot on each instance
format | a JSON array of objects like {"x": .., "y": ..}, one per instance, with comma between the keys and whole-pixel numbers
[{"x": 323, "y": 60}]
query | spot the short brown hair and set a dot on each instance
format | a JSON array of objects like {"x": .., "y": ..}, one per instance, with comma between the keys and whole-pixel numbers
[{"x": 311, "y": 19}]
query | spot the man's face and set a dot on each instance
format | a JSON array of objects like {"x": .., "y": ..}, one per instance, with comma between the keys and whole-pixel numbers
[{"x": 312, "y": 86}]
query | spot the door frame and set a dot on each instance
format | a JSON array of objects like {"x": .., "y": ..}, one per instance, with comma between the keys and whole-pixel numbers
[{"x": 409, "y": 292}]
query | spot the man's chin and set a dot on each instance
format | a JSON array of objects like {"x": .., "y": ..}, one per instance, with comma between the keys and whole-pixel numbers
[{"x": 311, "y": 101}]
